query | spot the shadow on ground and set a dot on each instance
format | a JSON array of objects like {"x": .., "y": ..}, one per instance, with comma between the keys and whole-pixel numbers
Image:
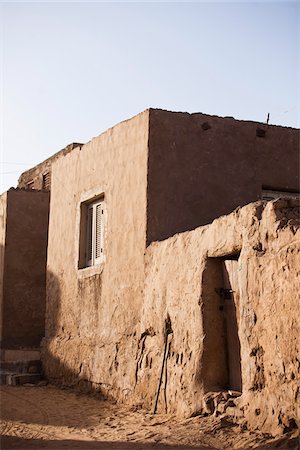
[{"x": 15, "y": 443}]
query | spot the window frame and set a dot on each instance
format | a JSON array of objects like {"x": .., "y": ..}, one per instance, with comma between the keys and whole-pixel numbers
[{"x": 92, "y": 233}]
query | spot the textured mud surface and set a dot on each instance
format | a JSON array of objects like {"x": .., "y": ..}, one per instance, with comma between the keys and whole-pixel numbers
[{"x": 51, "y": 418}]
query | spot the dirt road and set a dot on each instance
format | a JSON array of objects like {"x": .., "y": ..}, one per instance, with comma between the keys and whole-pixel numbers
[{"x": 51, "y": 418}]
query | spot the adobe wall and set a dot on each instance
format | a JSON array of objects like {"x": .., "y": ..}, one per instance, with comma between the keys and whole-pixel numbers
[
  {"x": 202, "y": 167},
  {"x": 24, "y": 269},
  {"x": 3, "y": 202},
  {"x": 181, "y": 282},
  {"x": 92, "y": 317},
  {"x": 35, "y": 174}
]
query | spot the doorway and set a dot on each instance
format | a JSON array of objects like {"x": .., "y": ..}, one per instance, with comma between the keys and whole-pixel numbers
[{"x": 221, "y": 363}]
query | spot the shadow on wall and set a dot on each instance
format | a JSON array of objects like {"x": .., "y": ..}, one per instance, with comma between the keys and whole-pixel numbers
[
  {"x": 56, "y": 367},
  {"x": 22, "y": 297},
  {"x": 221, "y": 364}
]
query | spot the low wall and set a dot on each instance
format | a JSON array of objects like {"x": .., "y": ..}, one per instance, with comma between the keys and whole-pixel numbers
[{"x": 180, "y": 277}]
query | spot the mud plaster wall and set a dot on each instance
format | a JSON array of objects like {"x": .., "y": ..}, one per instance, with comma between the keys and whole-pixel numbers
[
  {"x": 3, "y": 202},
  {"x": 268, "y": 237},
  {"x": 201, "y": 167},
  {"x": 93, "y": 314},
  {"x": 24, "y": 293},
  {"x": 35, "y": 174}
]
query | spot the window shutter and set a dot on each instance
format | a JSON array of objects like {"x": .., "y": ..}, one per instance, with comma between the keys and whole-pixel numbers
[
  {"x": 98, "y": 232},
  {"x": 30, "y": 185},
  {"x": 89, "y": 235},
  {"x": 94, "y": 233},
  {"x": 46, "y": 181}
]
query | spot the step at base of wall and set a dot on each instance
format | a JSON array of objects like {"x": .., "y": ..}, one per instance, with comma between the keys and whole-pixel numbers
[
  {"x": 33, "y": 366},
  {"x": 18, "y": 379}
]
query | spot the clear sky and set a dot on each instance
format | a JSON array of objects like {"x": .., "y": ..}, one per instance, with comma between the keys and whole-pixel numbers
[{"x": 70, "y": 70}]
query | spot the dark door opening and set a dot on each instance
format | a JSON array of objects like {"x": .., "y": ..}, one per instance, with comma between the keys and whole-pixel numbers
[{"x": 221, "y": 364}]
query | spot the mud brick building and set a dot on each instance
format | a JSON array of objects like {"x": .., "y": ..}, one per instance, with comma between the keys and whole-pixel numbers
[{"x": 166, "y": 230}]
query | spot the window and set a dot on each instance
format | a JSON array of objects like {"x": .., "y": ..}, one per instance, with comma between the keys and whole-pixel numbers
[
  {"x": 46, "y": 181},
  {"x": 91, "y": 247},
  {"x": 30, "y": 185}
]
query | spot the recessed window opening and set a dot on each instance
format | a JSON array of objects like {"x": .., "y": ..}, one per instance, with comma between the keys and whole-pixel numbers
[
  {"x": 221, "y": 363},
  {"x": 91, "y": 243}
]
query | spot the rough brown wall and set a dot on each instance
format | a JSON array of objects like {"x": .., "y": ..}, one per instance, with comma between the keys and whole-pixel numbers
[
  {"x": 201, "y": 167},
  {"x": 93, "y": 313},
  {"x": 24, "y": 293},
  {"x": 3, "y": 204},
  {"x": 268, "y": 237},
  {"x": 35, "y": 174},
  {"x": 105, "y": 325}
]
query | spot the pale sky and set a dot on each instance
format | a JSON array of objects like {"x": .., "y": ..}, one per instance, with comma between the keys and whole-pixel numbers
[{"x": 70, "y": 70}]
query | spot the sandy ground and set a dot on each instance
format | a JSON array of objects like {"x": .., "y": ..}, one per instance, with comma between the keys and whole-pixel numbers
[{"x": 51, "y": 418}]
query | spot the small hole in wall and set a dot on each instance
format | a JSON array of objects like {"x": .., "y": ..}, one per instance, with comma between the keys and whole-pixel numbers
[
  {"x": 257, "y": 412},
  {"x": 177, "y": 358},
  {"x": 181, "y": 358},
  {"x": 205, "y": 126},
  {"x": 150, "y": 365},
  {"x": 260, "y": 132}
]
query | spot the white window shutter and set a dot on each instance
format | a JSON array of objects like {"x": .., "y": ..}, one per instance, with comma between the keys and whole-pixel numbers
[
  {"x": 95, "y": 233},
  {"x": 98, "y": 211}
]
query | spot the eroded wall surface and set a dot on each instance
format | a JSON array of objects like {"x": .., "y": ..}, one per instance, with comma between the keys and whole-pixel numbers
[
  {"x": 93, "y": 314},
  {"x": 266, "y": 237},
  {"x": 24, "y": 268},
  {"x": 202, "y": 167},
  {"x": 106, "y": 328}
]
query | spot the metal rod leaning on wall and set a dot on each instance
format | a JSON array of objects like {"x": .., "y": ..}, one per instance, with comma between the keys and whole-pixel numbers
[{"x": 168, "y": 330}]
